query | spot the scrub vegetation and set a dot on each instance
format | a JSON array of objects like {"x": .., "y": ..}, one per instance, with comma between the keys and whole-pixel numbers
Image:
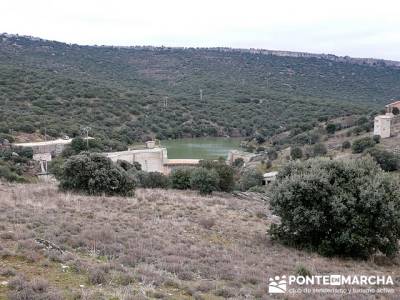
[
  {"x": 160, "y": 243},
  {"x": 133, "y": 94}
]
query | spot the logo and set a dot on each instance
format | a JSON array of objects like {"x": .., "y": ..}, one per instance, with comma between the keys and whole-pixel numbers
[
  {"x": 277, "y": 285},
  {"x": 308, "y": 284}
]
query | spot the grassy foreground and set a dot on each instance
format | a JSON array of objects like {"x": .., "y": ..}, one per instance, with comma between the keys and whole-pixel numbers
[{"x": 159, "y": 244}]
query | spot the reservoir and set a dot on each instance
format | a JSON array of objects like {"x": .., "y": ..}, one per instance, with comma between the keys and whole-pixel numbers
[{"x": 200, "y": 148}]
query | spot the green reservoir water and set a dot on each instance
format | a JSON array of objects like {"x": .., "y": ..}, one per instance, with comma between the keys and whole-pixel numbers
[{"x": 200, "y": 148}]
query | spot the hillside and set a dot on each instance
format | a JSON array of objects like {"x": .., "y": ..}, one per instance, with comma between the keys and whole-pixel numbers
[
  {"x": 119, "y": 248},
  {"x": 120, "y": 91}
]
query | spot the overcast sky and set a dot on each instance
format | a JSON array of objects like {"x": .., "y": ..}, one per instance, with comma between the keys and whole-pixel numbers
[{"x": 343, "y": 27}]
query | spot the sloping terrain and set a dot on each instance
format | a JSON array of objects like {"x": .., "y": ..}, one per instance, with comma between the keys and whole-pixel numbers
[
  {"x": 120, "y": 92},
  {"x": 158, "y": 244}
]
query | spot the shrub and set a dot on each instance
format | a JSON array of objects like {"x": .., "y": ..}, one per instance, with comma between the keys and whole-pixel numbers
[
  {"x": 260, "y": 139},
  {"x": 7, "y": 174},
  {"x": 346, "y": 145},
  {"x": 204, "y": 180},
  {"x": 152, "y": 180},
  {"x": 362, "y": 144},
  {"x": 302, "y": 270},
  {"x": 319, "y": 149},
  {"x": 129, "y": 166},
  {"x": 249, "y": 179},
  {"x": 180, "y": 178},
  {"x": 395, "y": 111},
  {"x": 296, "y": 153},
  {"x": 225, "y": 173},
  {"x": 377, "y": 139},
  {"x": 349, "y": 208},
  {"x": 95, "y": 174},
  {"x": 272, "y": 154},
  {"x": 238, "y": 162},
  {"x": 387, "y": 160},
  {"x": 330, "y": 128}
]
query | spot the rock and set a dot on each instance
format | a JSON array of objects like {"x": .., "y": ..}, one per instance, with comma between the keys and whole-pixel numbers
[
  {"x": 64, "y": 268},
  {"x": 5, "y": 283}
]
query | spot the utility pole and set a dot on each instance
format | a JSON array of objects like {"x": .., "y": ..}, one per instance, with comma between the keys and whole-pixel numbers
[
  {"x": 201, "y": 95},
  {"x": 268, "y": 78},
  {"x": 165, "y": 102},
  {"x": 86, "y": 131},
  {"x": 45, "y": 134}
]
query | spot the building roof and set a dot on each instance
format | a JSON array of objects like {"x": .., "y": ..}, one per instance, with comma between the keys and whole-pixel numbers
[
  {"x": 395, "y": 103},
  {"x": 387, "y": 116},
  {"x": 144, "y": 150},
  {"x": 270, "y": 174},
  {"x": 182, "y": 162}
]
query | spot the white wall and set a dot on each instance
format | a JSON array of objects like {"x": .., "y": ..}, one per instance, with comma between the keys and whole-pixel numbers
[{"x": 151, "y": 160}]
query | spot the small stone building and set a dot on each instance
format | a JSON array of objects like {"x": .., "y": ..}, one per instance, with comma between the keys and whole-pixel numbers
[{"x": 388, "y": 125}]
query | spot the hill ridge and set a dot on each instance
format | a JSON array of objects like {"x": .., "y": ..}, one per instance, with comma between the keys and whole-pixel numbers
[{"x": 371, "y": 61}]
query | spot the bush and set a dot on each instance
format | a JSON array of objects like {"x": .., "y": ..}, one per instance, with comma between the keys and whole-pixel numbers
[
  {"x": 362, "y": 144},
  {"x": 296, "y": 153},
  {"x": 180, "y": 178},
  {"x": 346, "y": 145},
  {"x": 319, "y": 149},
  {"x": 238, "y": 162},
  {"x": 7, "y": 174},
  {"x": 129, "y": 166},
  {"x": 95, "y": 174},
  {"x": 152, "y": 180},
  {"x": 377, "y": 139},
  {"x": 349, "y": 208},
  {"x": 204, "y": 180},
  {"x": 225, "y": 173},
  {"x": 330, "y": 128},
  {"x": 249, "y": 179},
  {"x": 388, "y": 161},
  {"x": 272, "y": 154}
]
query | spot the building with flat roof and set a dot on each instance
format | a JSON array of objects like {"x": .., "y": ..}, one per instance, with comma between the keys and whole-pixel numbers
[{"x": 151, "y": 160}]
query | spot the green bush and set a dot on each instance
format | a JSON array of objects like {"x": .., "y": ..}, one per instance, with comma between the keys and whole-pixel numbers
[
  {"x": 272, "y": 154},
  {"x": 8, "y": 175},
  {"x": 387, "y": 160},
  {"x": 79, "y": 145},
  {"x": 362, "y": 144},
  {"x": 180, "y": 178},
  {"x": 296, "y": 153},
  {"x": 95, "y": 174},
  {"x": 330, "y": 128},
  {"x": 349, "y": 208},
  {"x": 204, "y": 180},
  {"x": 129, "y": 166},
  {"x": 250, "y": 178},
  {"x": 346, "y": 145},
  {"x": 225, "y": 173},
  {"x": 319, "y": 149},
  {"x": 238, "y": 162},
  {"x": 152, "y": 180},
  {"x": 377, "y": 139}
]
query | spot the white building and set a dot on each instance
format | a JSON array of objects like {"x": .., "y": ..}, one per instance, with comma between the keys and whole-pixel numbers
[
  {"x": 269, "y": 177},
  {"x": 383, "y": 125},
  {"x": 151, "y": 160}
]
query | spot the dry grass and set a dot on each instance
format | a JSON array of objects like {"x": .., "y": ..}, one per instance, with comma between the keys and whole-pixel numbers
[{"x": 159, "y": 244}]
